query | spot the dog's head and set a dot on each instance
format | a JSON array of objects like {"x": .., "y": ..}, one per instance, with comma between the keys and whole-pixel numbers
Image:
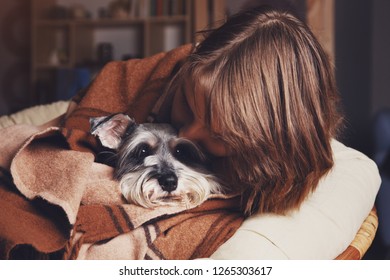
[{"x": 153, "y": 165}]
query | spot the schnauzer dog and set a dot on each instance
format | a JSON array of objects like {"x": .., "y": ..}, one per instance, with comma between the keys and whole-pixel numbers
[{"x": 153, "y": 165}]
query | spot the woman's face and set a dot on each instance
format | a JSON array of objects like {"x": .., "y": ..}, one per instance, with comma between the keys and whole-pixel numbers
[{"x": 189, "y": 119}]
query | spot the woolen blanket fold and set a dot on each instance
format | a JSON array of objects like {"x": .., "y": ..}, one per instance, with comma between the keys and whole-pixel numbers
[
  {"x": 59, "y": 203},
  {"x": 28, "y": 228}
]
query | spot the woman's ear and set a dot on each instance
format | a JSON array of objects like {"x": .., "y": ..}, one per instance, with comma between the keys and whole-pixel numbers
[{"x": 112, "y": 129}]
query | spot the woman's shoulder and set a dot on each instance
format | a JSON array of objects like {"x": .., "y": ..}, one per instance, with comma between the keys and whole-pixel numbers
[
  {"x": 352, "y": 166},
  {"x": 326, "y": 222}
]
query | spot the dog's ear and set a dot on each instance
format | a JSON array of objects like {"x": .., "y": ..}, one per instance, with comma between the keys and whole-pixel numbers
[{"x": 112, "y": 129}]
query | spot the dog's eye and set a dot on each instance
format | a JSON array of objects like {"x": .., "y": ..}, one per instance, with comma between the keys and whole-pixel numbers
[
  {"x": 187, "y": 154},
  {"x": 144, "y": 150}
]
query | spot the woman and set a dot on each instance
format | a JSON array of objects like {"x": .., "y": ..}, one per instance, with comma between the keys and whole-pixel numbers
[{"x": 259, "y": 94}]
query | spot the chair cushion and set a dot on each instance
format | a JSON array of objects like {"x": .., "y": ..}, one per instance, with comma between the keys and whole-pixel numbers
[{"x": 35, "y": 115}]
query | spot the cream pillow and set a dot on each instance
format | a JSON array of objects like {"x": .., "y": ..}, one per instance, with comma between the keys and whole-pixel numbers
[{"x": 36, "y": 115}]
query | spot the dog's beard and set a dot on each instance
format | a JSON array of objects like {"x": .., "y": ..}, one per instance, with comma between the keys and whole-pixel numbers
[{"x": 142, "y": 188}]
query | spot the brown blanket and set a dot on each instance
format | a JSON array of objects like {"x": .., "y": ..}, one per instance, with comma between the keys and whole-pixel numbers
[{"x": 58, "y": 203}]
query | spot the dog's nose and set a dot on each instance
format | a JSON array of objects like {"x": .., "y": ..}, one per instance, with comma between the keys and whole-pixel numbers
[{"x": 168, "y": 182}]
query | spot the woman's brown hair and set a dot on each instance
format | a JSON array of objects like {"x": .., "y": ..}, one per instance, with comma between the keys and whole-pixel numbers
[{"x": 271, "y": 97}]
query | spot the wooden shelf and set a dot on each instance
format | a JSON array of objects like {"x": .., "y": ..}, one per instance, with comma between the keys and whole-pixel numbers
[
  {"x": 169, "y": 19},
  {"x": 47, "y": 66},
  {"x": 60, "y": 45},
  {"x": 91, "y": 22},
  {"x": 51, "y": 23},
  {"x": 63, "y": 44},
  {"x": 105, "y": 22},
  {"x": 111, "y": 22}
]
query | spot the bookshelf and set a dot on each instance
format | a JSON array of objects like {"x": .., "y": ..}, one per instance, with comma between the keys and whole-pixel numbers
[
  {"x": 61, "y": 44},
  {"x": 70, "y": 43}
]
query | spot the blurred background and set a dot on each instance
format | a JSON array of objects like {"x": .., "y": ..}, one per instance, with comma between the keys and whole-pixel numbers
[{"x": 50, "y": 49}]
